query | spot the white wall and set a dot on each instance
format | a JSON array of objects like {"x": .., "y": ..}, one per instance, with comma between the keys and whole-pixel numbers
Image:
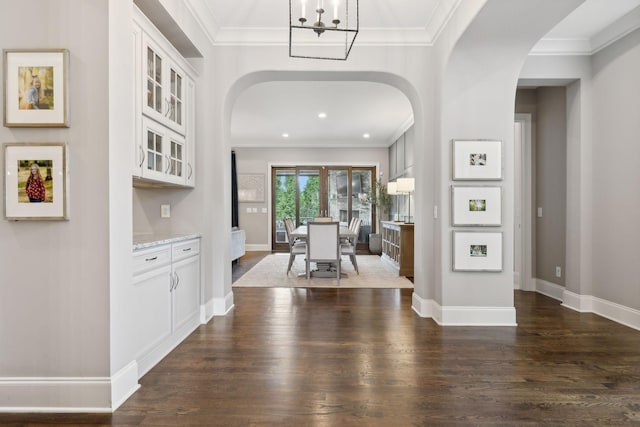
[
  {"x": 54, "y": 298},
  {"x": 260, "y": 160},
  {"x": 616, "y": 199}
]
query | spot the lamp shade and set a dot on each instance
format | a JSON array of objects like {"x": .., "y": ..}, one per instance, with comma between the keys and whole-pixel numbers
[
  {"x": 392, "y": 188},
  {"x": 405, "y": 185}
]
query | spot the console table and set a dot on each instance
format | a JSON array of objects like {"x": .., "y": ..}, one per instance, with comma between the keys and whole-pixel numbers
[{"x": 397, "y": 246}]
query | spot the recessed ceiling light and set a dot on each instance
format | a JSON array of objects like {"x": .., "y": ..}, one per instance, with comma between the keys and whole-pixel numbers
[
  {"x": 322, "y": 115},
  {"x": 366, "y": 136},
  {"x": 285, "y": 135}
]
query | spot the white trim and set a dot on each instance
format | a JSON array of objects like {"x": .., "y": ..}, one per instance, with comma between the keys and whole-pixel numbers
[
  {"x": 257, "y": 247},
  {"x": 525, "y": 277},
  {"x": 422, "y": 307},
  {"x": 56, "y": 394},
  {"x": 222, "y": 306},
  {"x": 552, "y": 290},
  {"x": 206, "y": 312},
  {"x": 402, "y": 129},
  {"x": 477, "y": 316},
  {"x": 123, "y": 384},
  {"x": 589, "y": 304}
]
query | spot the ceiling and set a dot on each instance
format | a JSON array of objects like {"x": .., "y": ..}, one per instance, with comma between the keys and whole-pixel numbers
[{"x": 266, "y": 111}]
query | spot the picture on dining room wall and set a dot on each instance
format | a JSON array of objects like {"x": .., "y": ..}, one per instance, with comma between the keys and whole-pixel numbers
[
  {"x": 477, "y": 159},
  {"x": 35, "y": 88},
  {"x": 476, "y": 206},
  {"x": 477, "y": 251},
  {"x": 35, "y": 181}
]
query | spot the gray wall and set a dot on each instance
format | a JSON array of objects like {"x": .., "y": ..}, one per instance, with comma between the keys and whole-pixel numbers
[
  {"x": 616, "y": 150},
  {"x": 54, "y": 298},
  {"x": 550, "y": 183},
  {"x": 401, "y": 161}
]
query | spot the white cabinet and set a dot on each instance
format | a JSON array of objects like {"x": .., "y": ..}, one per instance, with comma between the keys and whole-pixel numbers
[
  {"x": 166, "y": 294},
  {"x": 165, "y": 138}
]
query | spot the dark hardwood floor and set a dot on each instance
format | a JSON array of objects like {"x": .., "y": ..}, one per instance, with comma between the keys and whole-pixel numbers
[{"x": 362, "y": 357}]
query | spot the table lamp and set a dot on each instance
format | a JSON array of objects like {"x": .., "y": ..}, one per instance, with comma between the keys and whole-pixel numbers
[{"x": 406, "y": 186}]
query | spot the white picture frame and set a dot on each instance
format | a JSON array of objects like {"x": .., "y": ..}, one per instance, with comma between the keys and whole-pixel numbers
[
  {"x": 477, "y": 159},
  {"x": 36, "y": 88},
  {"x": 49, "y": 199},
  {"x": 477, "y": 251},
  {"x": 476, "y": 206}
]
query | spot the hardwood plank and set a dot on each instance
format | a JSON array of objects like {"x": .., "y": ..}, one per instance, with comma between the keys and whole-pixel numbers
[{"x": 354, "y": 357}]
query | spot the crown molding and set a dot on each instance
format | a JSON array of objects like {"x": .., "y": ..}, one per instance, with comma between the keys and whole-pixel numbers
[{"x": 203, "y": 16}]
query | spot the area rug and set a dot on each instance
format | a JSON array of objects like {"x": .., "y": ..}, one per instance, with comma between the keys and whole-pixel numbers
[{"x": 271, "y": 272}]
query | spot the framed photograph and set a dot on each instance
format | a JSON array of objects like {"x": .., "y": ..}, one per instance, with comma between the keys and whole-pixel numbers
[
  {"x": 477, "y": 159},
  {"x": 35, "y": 88},
  {"x": 35, "y": 176},
  {"x": 477, "y": 251},
  {"x": 250, "y": 188},
  {"x": 476, "y": 206}
]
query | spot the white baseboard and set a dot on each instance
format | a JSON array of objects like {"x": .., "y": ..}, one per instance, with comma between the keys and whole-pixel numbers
[
  {"x": 549, "y": 289},
  {"x": 123, "y": 384},
  {"x": 589, "y": 304},
  {"x": 422, "y": 307},
  {"x": 206, "y": 312},
  {"x": 55, "y": 394},
  {"x": 257, "y": 248},
  {"x": 477, "y": 316},
  {"x": 463, "y": 316},
  {"x": 221, "y": 306}
]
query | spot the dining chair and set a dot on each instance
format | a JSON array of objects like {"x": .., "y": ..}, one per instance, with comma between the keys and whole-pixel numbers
[
  {"x": 349, "y": 247},
  {"x": 323, "y": 219},
  {"x": 323, "y": 245},
  {"x": 296, "y": 246}
]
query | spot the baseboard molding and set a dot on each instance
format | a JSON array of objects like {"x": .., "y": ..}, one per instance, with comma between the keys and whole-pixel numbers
[
  {"x": 123, "y": 384},
  {"x": 476, "y": 316},
  {"x": 222, "y": 306},
  {"x": 422, "y": 307},
  {"x": 206, "y": 312},
  {"x": 549, "y": 289},
  {"x": 589, "y": 304},
  {"x": 257, "y": 248},
  {"x": 463, "y": 316},
  {"x": 55, "y": 394}
]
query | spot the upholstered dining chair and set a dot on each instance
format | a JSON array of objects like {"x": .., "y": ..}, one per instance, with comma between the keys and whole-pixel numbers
[
  {"x": 323, "y": 219},
  {"x": 296, "y": 247},
  {"x": 323, "y": 245},
  {"x": 349, "y": 247}
]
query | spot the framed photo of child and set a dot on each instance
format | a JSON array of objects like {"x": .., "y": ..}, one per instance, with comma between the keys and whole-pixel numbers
[
  {"x": 35, "y": 88},
  {"x": 36, "y": 181}
]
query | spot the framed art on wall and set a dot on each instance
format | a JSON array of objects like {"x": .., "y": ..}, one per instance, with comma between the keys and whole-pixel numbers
[
  {"x": 479, "y": 205},
  {"x": 35, "y": 88},
  {"x": 477, "y": 159},
  {"x": 250, "y": 187},
  {"x": 477, "y": 251},
  {"x": 36, "y": 186}
]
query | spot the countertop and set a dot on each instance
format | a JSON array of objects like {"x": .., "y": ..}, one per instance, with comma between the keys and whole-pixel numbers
[{"x": 143, "y": 241}]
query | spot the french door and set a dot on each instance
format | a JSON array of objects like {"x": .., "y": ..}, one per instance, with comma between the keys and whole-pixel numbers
[{"x": 305, "y": 192}]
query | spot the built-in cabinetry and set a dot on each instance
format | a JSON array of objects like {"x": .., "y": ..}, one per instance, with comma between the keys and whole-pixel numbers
[
  {"x": 397, "y": 246},
  {"x": 164, "y": 138},
  {"x": 166, "y": 291}
]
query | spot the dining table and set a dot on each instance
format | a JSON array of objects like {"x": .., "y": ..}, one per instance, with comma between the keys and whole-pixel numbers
[{"x": 323, "y": 269}]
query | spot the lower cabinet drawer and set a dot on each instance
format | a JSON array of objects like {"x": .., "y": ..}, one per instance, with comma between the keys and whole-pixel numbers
[
  {"x": 185, "y": 249},
  {"x": 148, "y": 259}
]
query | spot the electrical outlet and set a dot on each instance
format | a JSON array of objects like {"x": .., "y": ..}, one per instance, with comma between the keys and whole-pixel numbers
[
  {"x": 165, "y": 211},
  {"x": 558, "y": 271}
]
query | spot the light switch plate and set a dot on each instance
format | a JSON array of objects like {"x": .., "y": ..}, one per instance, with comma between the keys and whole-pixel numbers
[
  {"x": 165, "y": 211},
  {"x": 539, "y": 212}
]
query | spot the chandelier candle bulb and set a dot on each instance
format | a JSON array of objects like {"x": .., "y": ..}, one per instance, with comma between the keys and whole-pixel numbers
[
  {"x": 335, "y": 12},
  {"x": 303, "y": 14}
]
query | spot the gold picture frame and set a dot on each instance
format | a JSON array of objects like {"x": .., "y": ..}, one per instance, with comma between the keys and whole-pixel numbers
[{"x": 36, "y": 88}]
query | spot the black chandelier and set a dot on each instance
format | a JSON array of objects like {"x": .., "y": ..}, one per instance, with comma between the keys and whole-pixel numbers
[{"x": 322, "y": 29}]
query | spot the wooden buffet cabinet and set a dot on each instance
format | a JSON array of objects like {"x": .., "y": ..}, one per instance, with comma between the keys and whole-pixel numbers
[{"x": 397, "y": 246}]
